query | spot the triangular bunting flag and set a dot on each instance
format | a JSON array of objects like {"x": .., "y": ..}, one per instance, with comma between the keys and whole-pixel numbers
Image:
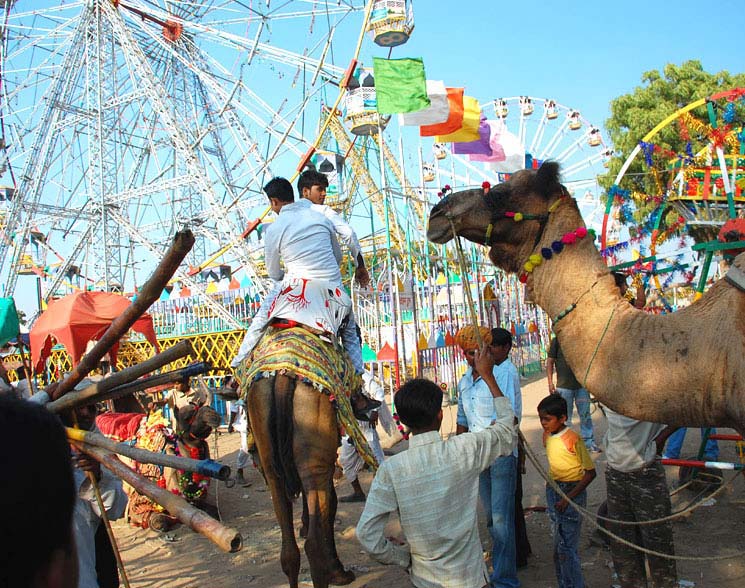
[
  {"x": 437, "y": 112},
  {"x": 455, "y": 116},
  {"x": 449, "y": 339},
  {"x": 422, "y": 342},
  {"x": 386, "y": 353},
  {"x": 368, "y": 354},
  {"x": 469, "y": 130},
  {"x": 400, "y": 85}
]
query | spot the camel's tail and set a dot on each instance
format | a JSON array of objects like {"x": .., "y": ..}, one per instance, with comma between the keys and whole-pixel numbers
[{"x": 281, "y": 425}]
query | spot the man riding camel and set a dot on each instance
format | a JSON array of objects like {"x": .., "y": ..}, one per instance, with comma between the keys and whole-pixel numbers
[{"x": 309, "y": 291}]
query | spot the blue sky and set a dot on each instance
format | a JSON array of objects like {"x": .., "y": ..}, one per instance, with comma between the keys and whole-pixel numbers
[{"x": 581, "y": 53}]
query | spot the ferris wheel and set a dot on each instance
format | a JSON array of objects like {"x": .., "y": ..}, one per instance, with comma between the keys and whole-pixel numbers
[
  {"x": 123, "y": 122},
  {"x": 537, "y": 129},
  {"x": 679, "y": 195}
]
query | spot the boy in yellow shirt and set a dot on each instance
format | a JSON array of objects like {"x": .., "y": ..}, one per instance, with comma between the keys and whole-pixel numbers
[{"x": 571, "y": 467}]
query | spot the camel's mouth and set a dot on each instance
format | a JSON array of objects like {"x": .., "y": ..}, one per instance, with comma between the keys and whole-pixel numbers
[{"x": 438, "y": 229}]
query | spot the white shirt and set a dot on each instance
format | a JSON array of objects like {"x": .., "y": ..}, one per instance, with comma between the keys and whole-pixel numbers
[
  {"x": 344, "y": 232},
  {"x": 434, "y": 487},
  {"x": 305, "y": 241},
  {"x": 475, "y": 407},
  {"x": 87, "y": 517},
  {"x": 629, "y": 444}
]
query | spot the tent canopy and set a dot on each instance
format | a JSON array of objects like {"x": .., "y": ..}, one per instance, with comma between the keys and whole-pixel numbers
[{"x": 79, "y": 318}]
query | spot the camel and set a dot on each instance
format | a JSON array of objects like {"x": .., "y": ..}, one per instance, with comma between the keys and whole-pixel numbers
[
  {"x": 296, "y": 433},
  {"x": 683, "y": 369}
]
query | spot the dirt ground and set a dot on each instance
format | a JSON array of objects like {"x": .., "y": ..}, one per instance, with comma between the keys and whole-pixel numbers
[{"x": 185, "y": 559}]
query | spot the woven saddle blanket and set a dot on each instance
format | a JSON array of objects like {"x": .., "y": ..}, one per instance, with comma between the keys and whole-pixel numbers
[{"x": 300, "y": 354}]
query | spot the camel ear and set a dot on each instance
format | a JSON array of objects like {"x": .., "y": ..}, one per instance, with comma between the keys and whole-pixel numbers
[{"x": 547, "y": 178}]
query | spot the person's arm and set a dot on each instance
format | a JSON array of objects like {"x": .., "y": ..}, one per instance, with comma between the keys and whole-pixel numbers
[
  {"x": 662, "y": 438},
  {"x": 345, "y": 233},
  {"x": 641, "y": 297},
  {"x": 550, "y": 375},
  {"x": 112, "y": 493},
  {"x": 589, "y": 476},
  {"x": 461, "y": 420},
  {"x": 381, "y": 503},
  {"x": 271, "y": 255}
]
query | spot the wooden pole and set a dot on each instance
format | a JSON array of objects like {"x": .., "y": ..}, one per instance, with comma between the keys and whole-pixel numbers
[
  {"x": 205, "y": 467},
  {"x": 150, "y": 292},
  {"x": 93, "y": 392},
  {"x": 225, "y": 538}
]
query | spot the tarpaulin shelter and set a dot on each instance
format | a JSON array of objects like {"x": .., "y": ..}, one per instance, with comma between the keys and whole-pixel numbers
[
  {"x": 79, "y": 318},
  {"x": 9, "y": 327}
]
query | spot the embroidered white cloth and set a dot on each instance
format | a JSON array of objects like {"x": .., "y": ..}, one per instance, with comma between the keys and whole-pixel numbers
[{"x": 434, "y": 487}]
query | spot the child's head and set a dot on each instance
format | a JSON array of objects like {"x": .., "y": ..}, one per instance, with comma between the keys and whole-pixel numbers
[
  {"x": 419, "y": 405},
  {"x": 552, "y": 412}
]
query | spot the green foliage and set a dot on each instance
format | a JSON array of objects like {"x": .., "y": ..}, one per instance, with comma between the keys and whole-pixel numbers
[{"x": 635, "y": 114}]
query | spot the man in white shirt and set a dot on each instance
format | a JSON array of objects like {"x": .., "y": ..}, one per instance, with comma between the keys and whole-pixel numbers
[
  {"x": 310, "y": 289},
  {"x": 497, "y": 483},
  {"x": 350, "y": 460},
  {"x": 312, "y": 184},
  {"x": 442, "y": 548}
]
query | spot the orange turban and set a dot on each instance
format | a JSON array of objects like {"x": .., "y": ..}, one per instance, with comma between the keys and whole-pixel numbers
[{"x": 466, "y": 339}]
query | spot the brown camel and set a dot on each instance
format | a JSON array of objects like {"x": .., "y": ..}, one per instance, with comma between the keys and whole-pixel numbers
[
  {"x": 685, "y": 368},
  {"x": 296, "y": 433}
]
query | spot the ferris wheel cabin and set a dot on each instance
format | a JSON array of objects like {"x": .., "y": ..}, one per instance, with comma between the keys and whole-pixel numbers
[{"x": 391, "y": 22}]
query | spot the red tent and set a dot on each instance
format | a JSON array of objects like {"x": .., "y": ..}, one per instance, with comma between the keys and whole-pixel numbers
[{"x": 79, "y": 318}]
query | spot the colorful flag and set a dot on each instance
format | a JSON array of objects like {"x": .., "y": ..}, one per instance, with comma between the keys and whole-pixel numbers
[
  {"x": 514, "y": 154},
  {"x": 469, "y": 130},
  {"x": 497, "y": 152},
  {"x": 400, "y": 85},
  {"x": 437, "y": 112},
  {"x": 455, "y": 116},
  {"x": 479, "y": 147}
]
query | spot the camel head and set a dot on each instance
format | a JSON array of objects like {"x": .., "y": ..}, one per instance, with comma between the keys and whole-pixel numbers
[
  {"x": 488, "y": 218},
  {"x": 195, "y": 421}
]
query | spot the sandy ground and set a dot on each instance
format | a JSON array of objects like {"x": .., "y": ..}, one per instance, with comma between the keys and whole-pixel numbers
[{"x": 186, "y": 559}]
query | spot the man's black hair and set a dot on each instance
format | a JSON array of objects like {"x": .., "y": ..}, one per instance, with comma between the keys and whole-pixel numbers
[
  {"x": 37, "y": 491},
  {"x": 418, "y": 402},
  {"x": 553, "y": 405},
  {"x": 310, "y": 178},
  {"x": 279, "y": 188},
  {"x": 501, "y": 337}
]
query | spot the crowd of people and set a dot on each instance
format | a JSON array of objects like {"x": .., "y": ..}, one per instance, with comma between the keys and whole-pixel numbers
[{"x": 482, "y": 462}]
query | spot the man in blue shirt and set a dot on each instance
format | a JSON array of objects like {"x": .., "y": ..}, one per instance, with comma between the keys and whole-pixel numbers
[{"x": 475, "y": 413}]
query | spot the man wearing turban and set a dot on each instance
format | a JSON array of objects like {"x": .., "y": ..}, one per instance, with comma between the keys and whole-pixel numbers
[{"x": 475, "y": 413}]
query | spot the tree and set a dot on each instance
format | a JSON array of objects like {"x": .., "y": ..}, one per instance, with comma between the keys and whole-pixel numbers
[{"x": 635, "y": 114}]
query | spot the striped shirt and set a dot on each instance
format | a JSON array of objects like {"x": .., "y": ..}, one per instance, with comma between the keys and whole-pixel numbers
[{"x": 434, "y": 487}]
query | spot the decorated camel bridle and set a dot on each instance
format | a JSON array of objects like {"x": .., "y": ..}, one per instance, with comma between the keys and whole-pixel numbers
[{"x": 546, "y": 253}]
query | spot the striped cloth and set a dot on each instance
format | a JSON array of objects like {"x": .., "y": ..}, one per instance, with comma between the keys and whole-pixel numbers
[{"x": 300, "y": 354}]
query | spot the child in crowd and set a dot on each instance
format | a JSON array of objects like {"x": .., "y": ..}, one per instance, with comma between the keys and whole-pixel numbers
[{"x": 572, "y": 469}]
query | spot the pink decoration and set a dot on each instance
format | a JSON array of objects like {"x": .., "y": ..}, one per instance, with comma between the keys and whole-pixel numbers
[
  {"x": 568, "y": 239},
  {"x": 581, "y": 233}
]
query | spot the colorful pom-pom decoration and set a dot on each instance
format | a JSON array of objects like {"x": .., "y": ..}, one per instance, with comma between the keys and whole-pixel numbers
[
  {"x": 518, "y": 217},
  {"x": 557, "y": 246},
  {"x": 535, "y": 259},
  {"x": 546, "y": 252},
  {"x": 581, "y": 233},
  {"x": 568, "y": 239}
]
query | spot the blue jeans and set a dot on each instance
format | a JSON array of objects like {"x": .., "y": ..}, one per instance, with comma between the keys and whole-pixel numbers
[
  {"x": 581, "y": 398},
  {"x": 565, "y": 528},
  {"x": 497, "y": 492},
  {"x": 675, "y": 443}
]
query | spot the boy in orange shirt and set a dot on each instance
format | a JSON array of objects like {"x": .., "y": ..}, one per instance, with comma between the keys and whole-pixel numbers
[{"x": 571, "y": 467}]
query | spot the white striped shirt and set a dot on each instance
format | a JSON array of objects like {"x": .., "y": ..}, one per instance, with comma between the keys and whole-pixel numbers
[{"x": 434, "y": 487}]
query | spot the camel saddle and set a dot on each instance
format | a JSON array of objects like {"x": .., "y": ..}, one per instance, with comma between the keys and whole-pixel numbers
[{"x": 300, "y": 354}]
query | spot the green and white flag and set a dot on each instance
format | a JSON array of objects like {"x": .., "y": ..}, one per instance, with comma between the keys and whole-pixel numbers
[{"x": 400, "y": 85}]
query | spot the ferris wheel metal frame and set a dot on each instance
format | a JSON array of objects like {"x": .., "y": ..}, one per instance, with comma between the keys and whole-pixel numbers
[{"x": 114, "y": 113}]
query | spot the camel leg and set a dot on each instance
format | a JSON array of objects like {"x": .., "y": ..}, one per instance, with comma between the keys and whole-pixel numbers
[
  {"x": 315, "y": 444},
  {"x": 259, "y": 401},
  {"x": 304, "y": 519}
]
